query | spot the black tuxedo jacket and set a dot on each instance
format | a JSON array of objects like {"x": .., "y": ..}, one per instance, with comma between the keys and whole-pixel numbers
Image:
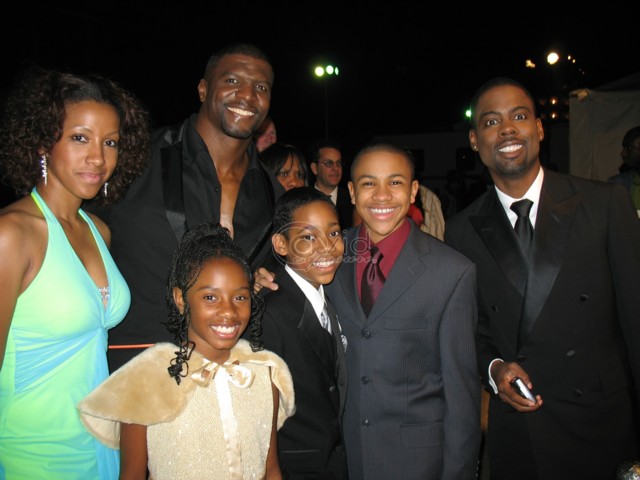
[
  {"x": 579, "y": 305},
  {"x": 310, "y": 442}
]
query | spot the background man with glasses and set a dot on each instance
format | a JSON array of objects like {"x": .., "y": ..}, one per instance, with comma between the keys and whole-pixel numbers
[
  {"x": 630, "y": 169},
  {"x": 325, "y": 157}
]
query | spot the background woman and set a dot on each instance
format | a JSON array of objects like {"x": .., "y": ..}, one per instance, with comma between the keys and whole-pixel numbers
[{"x": 287, "y": 163}]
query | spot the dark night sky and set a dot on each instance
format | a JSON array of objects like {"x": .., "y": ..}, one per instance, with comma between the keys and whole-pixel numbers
[{"x": 404, "y": 69}]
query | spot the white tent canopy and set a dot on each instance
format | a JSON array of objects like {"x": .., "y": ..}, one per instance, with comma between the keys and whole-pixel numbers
[{"x": 598, "y": 119}]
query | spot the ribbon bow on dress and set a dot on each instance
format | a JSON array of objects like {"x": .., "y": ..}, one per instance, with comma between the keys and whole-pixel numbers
[
  {"x": 240, "y": 376},
  {"x": 222, "y": 375}
]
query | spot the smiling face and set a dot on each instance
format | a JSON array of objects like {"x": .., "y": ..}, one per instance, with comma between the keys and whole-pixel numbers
[
  {"x": 87, "y": 153},
  {"x": 220, "y": 308},
  {"x": 507, "y": 135},
  {"x": 382, "y": 190},
  {"x": 237, "y": 94},
  {"x": 312, "y": 244}
]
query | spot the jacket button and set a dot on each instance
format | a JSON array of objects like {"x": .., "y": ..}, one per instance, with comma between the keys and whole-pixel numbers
[
  {"x": 584, "y": 297},
  {"x": 366, "y": 422},
  {"x": 332, "y": 388},
  {"x": 364, "y": 380},
  {"x": 570, "y": 353},
  {"x": 366, "y": 334},
  {"x": 339, "y": 449}
]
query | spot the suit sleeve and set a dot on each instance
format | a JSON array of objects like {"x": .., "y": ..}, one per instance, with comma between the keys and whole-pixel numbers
[
  {"x": 624, "y": 254},
  {"x": 486, "y": 351},
  {"x": 271, "y": 334},
  {"x": 461, "y": 380}
]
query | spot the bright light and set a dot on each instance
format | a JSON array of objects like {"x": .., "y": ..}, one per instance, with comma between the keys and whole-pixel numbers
[
  {"x": 553, "y": 58},
  {"x": 529, "y": 64},
  {"x": 321, "y": 71}
]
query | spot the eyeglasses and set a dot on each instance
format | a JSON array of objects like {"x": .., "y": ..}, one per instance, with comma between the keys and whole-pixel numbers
[{"x": 331, "y": 163}]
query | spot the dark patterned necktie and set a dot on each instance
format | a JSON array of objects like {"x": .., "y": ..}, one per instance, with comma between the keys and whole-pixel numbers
[
  {"x": 372, "y": 281},
  {"x": 523, "y": 227}
]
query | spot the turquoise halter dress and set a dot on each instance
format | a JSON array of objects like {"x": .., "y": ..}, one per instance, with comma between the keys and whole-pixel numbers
[{"x": 56, "y": 355}]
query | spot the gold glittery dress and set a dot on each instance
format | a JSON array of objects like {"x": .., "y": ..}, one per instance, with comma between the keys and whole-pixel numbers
[{"x": 215, "y": 424}]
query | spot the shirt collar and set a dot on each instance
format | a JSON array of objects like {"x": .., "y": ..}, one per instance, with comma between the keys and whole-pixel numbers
[
  {"x": 389, "y": 246},
  {"x": 314, "y": 295},
  {"x": 333, "y": 194},
  {"x": 532, "y": 194}
]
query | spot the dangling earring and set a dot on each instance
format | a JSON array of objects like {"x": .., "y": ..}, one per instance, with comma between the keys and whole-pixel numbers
[
  {"x": 43, "y": 167},
  {"x": 104, "y": 188}
]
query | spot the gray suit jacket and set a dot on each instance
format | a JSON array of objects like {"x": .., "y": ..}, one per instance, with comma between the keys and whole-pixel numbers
[{"x": 413, "y": 398}]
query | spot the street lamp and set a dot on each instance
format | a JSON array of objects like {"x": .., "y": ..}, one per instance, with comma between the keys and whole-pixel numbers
[{"x": 324, "y": 72}]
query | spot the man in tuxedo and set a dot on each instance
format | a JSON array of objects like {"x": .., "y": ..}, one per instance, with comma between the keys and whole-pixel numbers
[
  {"x": 558, "y": 302},
  {"x": 413, "y": 396},
  {"x": 326, "y": 163}
]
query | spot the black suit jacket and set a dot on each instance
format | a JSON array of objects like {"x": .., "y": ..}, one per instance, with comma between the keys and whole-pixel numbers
[
  {"x": 310, "y": 442},
  {"x": 344, "y": 208},
  {"x": 579, "y": 305}
]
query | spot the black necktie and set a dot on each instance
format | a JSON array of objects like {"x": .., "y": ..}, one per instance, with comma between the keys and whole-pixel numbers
[
  {"x": 523, "y": 227},
  {"x": 372, "y": 281}
]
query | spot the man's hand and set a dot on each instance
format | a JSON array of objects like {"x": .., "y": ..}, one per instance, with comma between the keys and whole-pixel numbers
[
  {"x": 264, "y": 279},
  {"x": 503, "y": 374}
]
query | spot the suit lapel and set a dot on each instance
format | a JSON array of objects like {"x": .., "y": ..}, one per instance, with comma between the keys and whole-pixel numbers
[
  {"x": 171, "y": 158},
  {"x": 320, "y": 341},
  {"x": 341, "y": 360},
  {"x": 336, "y": 329},
  {"x": 553, "y": 223},
  {"x": 346, "y": 277},
  {"x": 500, "y": 240},
  {"x": 407, "y": 268}
]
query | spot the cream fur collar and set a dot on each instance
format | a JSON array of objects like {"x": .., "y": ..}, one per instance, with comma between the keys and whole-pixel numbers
[{"x": 142, "y": 392}]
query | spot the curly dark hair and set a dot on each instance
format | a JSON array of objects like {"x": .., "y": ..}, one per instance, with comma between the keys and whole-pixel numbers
[
  {"x": 33, "y": 119},
  {"x": 199, "y": 245}
]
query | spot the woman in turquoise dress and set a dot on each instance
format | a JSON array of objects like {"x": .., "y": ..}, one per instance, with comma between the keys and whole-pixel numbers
[{"x": 64, "y": 139}]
